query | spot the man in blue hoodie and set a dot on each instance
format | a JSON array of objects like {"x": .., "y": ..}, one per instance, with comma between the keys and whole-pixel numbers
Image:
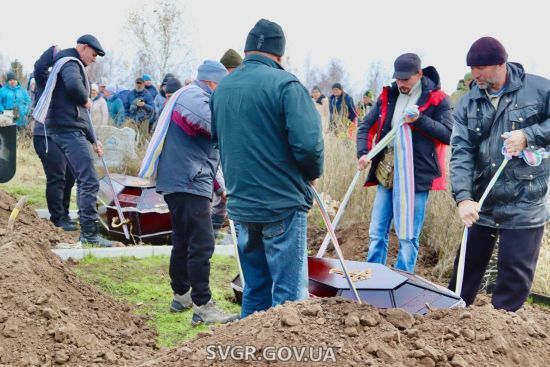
[{"x": 271, "y": 146}]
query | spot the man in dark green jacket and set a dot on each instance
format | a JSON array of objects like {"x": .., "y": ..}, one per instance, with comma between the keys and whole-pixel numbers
[{"x": 270, "y": 140}]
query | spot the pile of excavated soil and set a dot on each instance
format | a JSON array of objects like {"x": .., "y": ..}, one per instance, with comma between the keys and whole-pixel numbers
[
  {"x": 49, "y": 316},
  {"x": 28, "y": 223},
  {"x": 354, "y": 242},
  {"x": 338, "y": 332}
]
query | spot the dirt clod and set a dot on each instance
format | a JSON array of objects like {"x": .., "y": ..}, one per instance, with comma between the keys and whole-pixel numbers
[{"x": 399, "y": 318}]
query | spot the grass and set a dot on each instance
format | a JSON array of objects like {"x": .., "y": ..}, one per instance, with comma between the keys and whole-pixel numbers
[
  {"x": 29, "y": 179},
  {"x": 145, "y": 284}
]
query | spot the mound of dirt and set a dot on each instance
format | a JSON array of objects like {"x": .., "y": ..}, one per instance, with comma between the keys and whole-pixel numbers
[
  {"x": 28, "y": 223},
  {"x": 354, "y": 241},
  {"x": 49, "y": 316},
  {"x": 338, "y": 332}
]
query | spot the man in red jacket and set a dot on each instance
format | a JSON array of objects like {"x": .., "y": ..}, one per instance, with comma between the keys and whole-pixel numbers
[{"x": 431, "y": 130}]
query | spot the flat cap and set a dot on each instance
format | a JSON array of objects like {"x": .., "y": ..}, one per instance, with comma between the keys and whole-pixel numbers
[{"x": 91, "y": 41}]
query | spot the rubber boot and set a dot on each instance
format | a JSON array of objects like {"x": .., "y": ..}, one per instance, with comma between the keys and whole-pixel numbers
[{"x": 89, "y": 235}]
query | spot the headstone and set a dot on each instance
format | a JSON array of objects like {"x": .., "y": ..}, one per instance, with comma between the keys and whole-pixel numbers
[{"x": 118, "y": 145}]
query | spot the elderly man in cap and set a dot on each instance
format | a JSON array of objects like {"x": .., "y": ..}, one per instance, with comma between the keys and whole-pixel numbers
[
  {"x": 186, "y": 170},
  {"x": 139, "y": 104},
  {"x": 507, "y": 111},
  {"x": 431, "y": 130},
  {"x": 65, "y": 111},
  {"x": 271, "y": 146}
]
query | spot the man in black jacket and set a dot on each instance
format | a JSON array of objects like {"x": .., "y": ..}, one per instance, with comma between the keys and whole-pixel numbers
[
  {"x": 59, "y": 177},
  {"x": 431, "y": 131},
  {"x": 509, "y": 107},
  {"x": 69, "y": 127}
]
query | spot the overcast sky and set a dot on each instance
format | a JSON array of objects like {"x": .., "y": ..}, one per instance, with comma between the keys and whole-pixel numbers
[{"x": 356, "y": 32}]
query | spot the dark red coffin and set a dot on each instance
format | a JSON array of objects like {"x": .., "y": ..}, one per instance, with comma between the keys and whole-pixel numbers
[
  {"x": 386, "y": 288},
  {"x": 141, "y": 204}
]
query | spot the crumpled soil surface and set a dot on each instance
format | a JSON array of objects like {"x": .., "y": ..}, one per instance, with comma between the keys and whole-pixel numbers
[
  {"x": 49, "y": 316},
  {"x": 361, "y": 335}
]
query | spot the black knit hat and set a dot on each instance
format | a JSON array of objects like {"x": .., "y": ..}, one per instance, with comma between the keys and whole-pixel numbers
[
  {"x": 337, "y": 86},
  {"x": 10, "y": 75},
  {"x": 172, "y": 85},
  {"x": 267, "y": 37},
  {"x": 486, "y": 51},
  {"x": 167, "y": 76}
]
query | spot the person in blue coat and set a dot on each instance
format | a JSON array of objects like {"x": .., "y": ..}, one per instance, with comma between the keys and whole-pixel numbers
[
  {"x": 15, "y": 98},
  {"x": 115, "y": 105}
]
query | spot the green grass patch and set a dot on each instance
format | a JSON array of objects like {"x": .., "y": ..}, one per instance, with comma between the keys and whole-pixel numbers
[
  {"x": 35, "y": 193},
  {"x": 145, "y": 283},
  {"x": 540, "y": 301}
]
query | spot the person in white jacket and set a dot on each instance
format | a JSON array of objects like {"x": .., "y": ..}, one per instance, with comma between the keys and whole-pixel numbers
[
  {"x": 321, "y": 104},
  {"x": 99, "y": 110}
]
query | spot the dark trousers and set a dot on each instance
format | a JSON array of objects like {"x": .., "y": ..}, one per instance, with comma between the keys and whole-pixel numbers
[
  {"x": 59, "y": 178},
  {"x": 77, "y": 152},
  {"x": 193, "y": 245},
  {"x": 518, "y": 251}
]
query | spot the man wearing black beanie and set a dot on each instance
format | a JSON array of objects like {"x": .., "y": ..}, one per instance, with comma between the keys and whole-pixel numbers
[
  {"x": 506, "y": 111},
  {"x": 271, "y": 148}
]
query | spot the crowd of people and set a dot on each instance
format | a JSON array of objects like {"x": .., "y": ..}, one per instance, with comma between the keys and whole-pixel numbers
[{"x": 247, "y": 135}]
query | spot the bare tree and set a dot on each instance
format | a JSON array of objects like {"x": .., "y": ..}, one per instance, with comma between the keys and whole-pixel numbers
[
  {"x": 312, "y": 75},
  {"x": 95, "y": 71},
  {"x": 159, "y": 34},
  {"x": 286, "y": 63},
  {"x": 111, "y": 68},
  {"x": 334, "y": 74},
  {"x": 2, "y": 66},
  {"x": 377, "y": 77}
]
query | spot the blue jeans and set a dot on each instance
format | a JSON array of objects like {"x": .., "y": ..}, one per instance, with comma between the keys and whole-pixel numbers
[
  {"x": 379, "y": 230},
  {"x": 274, "y": 262}
]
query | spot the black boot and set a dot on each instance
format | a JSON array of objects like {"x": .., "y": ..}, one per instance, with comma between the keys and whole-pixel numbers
[
  {"x": 69, "y": 219},
  {"x": 89, "y": 234},
  {"x": 65, "y": 224}
]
